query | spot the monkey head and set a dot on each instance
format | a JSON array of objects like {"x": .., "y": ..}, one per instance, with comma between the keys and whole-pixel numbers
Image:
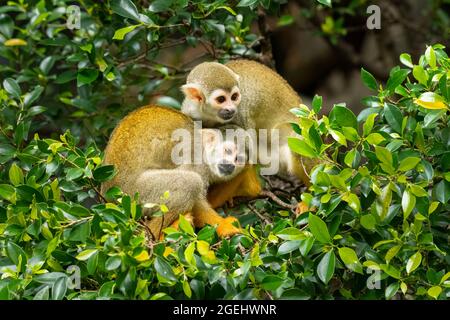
[
  {"x": 211, "y": 93},
  {"x": 223, "y": 157}
]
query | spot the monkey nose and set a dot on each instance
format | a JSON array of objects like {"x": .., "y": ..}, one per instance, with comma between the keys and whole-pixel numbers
[
  {"x": 226, "y": 168},
  {"x": 226, "y": 114}
]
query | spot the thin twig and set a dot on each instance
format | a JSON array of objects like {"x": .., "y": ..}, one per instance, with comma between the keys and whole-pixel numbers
[
  {"x": 253, "y": 209},
  {"x": 271, "y": 195}
]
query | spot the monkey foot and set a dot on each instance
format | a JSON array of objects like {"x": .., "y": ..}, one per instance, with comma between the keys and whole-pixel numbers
[
  {"x": 226, "y": 227},
  {"x": 302, "y": 207}
]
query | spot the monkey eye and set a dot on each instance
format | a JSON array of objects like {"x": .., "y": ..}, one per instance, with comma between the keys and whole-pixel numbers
[
  {"x": 221, "y": 99},
  {"x": 235, "y": 96}
]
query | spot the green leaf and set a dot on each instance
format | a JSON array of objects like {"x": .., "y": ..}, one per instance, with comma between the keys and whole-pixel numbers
[
  {"x": 420, "y": 74},
  {"x": 271, "y": 282},
  {"x": 160, "y": 5},
  {"x": 350, "y": 133},
  {"x": 290, "y": 233},
  {"x": 30, "y": 97},
  {"x": 12, "y": 87},
  {"x": 187, "y": 289},
  {"x": 350, "y": 157},
  {"x": 390, "y": 270},
  {"x": 317, "y": 103},
  {"x": 339, "y": 137},
  {"x": 47, "y": 64},
  {"x": 164, "y": 269},
  {"x": 353, "y": 201},
  {"x": 288, "y": 246},
  {"x": 189, "y": 253},
  {"x": 368, "y": 124},
  {"x": 434, "y": 292},
  {"x": 430, "y": 56},
  {"x": 306, "y": 245},
  {"x": 369, "y": 79},
  {"x": 42, "y": 294},
  {"x": 7, "y": 192},
  {"x": 396, "y": 79},
  {"x": 125, "y": 8},
  {"x": 441, "y": 191},
  {"x": 325, "y": 268},
  {"x": 74, "y": 173},
  {"x": 121, "y": 33},
  {"x": 185, "y": 225},
  {"x": 16, "y": 254},
  {"x": 86, "y": 254},
  {"x": 375, "y": 138},
  {"x": 301, "y": 147},
  {"x": 431, "y": 100},
  {"x": 319, "y": 229},
  {"x": 393, "y": 116},
  {"x": 418, "y": 191},
  {"x": 15, "y": 174},
  {"x": 59, "y": 288},
  {"x": 350, "y": 259},
  {"x": 86, "y": 76},
  {"x": 112, "y": 263},
  {"x": 246, "y": 3},
  {"x": 391, "y": 290},
  {"x": 413, "y": 262},
  {"x": 103, "y": 173},
  {"x": 80, "y": 232},
  {"x": 408, "y": 203},
  {"x": 408, "y": 163},
  {"x": 405, "y": 58},
  {"x": 343, "y": 116},
  {"x": 392, "y": 252},
  {"x": 325, "y": 2},
  {"x": 368, "y": 222},
  {"x": 384, "y": 155}
]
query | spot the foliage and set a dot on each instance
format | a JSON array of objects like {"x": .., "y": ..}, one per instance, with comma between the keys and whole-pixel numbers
[
  {"x": 380, "y": 201},
  {"x": 119, "y": 52},
  {"x": 381, "y": 195}
]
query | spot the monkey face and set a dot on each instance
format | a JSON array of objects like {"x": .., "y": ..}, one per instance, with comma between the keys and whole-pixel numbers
[
  {"x": 218, "y": 106},
  {"x": 224, "y": 103},
  {"x": 224, "y": 159}
]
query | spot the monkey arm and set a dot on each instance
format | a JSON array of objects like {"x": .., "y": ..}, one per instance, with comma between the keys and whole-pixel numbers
[
  {"x": 185, "y": 189},
  {"x": 246, "y": 184}
]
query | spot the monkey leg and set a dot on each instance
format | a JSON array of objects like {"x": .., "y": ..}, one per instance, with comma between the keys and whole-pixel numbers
[
  {"x": 246, "y": 184},
  {"x": 204, "y": 214},
  {"x": 185, "y": 189}
]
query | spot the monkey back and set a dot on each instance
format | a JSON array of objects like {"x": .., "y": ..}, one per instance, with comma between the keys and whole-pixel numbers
[{"x": 142, "y": 141}]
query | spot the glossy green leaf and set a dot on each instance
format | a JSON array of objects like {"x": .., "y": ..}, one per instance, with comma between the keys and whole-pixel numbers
[
  {"x": 319, "y": 228},
  {"x": 325, "y": 268}
]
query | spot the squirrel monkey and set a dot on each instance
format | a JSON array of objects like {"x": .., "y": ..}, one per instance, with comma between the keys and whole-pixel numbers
[
  {"x": 141, "y": 149},
  {"x": 252, "y": 96}
]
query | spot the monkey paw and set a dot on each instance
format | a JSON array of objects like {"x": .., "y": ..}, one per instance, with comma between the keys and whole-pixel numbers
[
  {"x": 226, "y": 227},
  {"x": 302, "y": 207}
]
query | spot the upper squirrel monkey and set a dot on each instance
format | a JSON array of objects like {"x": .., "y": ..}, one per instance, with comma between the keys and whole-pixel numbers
[
  {"x": 141, "y": 148},
  {"x": 250, "y": 95}
]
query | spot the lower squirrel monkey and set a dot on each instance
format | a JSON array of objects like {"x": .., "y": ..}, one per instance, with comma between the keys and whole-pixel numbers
[
  {"x": 141, "y": 148},
  {"x": 252, "y": 96}
]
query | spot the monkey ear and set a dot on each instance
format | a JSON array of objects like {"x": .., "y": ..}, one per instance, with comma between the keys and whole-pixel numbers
[
  {"x": 208, "y": 136},
  {"x": 193, "y": 92}
]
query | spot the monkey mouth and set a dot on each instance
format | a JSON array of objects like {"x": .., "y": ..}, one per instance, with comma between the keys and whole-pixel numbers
[
  {"x": 226, "y": 114},
  {"x": 226, "y": 169}
]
